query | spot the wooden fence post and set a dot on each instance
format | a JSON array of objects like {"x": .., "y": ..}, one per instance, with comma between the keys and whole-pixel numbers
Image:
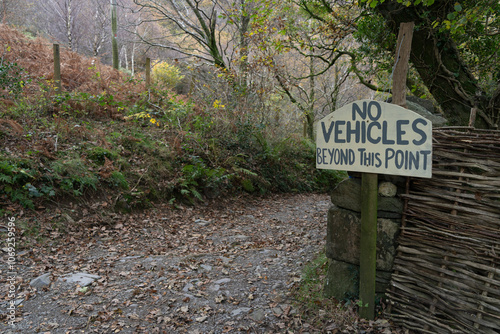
[{"x": 57, "y": 69}]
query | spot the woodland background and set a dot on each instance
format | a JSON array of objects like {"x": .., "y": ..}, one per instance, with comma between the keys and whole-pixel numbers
[{"x": 237, "y": 88}]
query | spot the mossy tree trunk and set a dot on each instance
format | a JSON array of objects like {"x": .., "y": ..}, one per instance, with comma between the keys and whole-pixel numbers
[{"x": 438, "y": 61}]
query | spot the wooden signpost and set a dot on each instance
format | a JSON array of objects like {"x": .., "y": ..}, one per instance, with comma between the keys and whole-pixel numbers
[{"x": 376, "y": 138}]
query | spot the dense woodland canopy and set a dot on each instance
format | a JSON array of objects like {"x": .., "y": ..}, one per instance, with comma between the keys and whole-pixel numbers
[{"x": 456, "y": 53}]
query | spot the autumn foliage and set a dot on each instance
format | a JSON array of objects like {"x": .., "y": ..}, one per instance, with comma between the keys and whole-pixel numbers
[
  {"x": 106, "y": 134},
  {"x": 78, "y": 73}
]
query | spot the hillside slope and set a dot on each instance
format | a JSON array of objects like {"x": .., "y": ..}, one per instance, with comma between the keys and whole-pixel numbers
[{"x": 106, "y": 137}]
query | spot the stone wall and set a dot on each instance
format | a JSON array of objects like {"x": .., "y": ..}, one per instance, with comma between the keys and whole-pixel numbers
[{"x": 343, "y": 235}]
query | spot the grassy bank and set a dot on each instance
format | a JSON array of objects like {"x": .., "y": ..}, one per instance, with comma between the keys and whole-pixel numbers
[{"x": 105, "y": 136}]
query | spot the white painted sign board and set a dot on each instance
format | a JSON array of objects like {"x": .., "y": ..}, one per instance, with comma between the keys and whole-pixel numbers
[{"x": 375, "y": 137}]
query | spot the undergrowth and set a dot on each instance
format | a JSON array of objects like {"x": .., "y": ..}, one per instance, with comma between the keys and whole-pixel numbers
[
  {"x": 326, "y": 313},
  {"x": 152, "y": 145}
]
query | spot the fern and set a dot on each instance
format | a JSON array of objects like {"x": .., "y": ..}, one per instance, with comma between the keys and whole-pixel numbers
[
  {"x": 5, "y": 179},
  {"x": 244, "y": 171},
  {"x": 196, "y": 194},
  {"x": 310, "y": 144}
]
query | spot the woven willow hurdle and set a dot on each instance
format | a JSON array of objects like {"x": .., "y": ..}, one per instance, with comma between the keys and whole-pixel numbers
[{"x": 447, "y": 271}]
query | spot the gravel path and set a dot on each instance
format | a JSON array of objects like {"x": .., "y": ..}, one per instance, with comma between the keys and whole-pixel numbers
[{"x": 226, "y": 267}]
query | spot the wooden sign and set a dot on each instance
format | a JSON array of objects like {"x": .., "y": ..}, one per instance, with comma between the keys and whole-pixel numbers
[{"x": 375, "y": 137}]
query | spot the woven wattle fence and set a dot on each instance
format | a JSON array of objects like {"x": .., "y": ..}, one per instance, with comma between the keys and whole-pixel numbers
[{"x": 447, "y": 272}]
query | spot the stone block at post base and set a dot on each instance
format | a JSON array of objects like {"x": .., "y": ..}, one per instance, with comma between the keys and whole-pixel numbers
[
  {"x": 344, "y": 234},
  {"x": 342, "y": 281},
  {"x": 347, "y": 195}
]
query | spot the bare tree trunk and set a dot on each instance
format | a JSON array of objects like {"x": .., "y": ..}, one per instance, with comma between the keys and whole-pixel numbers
[
  {"x": 96, "y": 43},
  {"x": 69, "y": 26},
  {"x": 114, "y": 29},
  {"x": 243, "y": 29},
  {"x": 132, "y": 60},
  {"x": 132, "y": 56},
  {"x": 4, "y": 11},
  {"x": 125, "y": 57},
  {"x": 310, "y": 108},
  {"x": 148, "y": 73}
]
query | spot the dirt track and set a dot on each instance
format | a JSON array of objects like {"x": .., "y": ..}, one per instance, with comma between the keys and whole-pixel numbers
[{"x": 224, "y": 267}]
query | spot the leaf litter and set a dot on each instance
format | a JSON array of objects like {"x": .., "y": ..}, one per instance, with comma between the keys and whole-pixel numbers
[{"x": 230, "y": 266}]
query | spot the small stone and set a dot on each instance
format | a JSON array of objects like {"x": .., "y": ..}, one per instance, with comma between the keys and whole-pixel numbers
[
  {"x": 215, "y": 287},
  {"x": 258, "y": 315},
  {"x": 239, "y": 311},
  {"x": 202, "y": 222},
  {"x": 188, "y": 287},
  {"x": 206, "y": 267},
  {"x": 41, "y": 281},
  {"x": 286, "y": 307},
  {"x": 225, "y": 260},
  {"x": 83, "y": 279},
  {"x": 387, "y": 189},
  {"x": 133, "y": 316},
  {"x": 68, "y": 218},
  {"x": 223, "y": 280},
  {"x": 277, "y": 311}
]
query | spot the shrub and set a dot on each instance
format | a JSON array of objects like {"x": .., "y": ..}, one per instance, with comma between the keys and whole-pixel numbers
[
  {"x": 166, "y": 75},
  {"x": 11, "y": 79},
  {"x": 73, "y": 177},
  {"x": 15, "y": 183}
]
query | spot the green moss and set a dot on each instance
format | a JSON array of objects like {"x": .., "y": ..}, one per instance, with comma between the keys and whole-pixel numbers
[
  {"x": 99, "y": 155},
  {"x": 119, "y": 180}
]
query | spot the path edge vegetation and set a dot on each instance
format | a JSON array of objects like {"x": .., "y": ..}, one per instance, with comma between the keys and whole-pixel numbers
[{"x": 111, "y": 140}]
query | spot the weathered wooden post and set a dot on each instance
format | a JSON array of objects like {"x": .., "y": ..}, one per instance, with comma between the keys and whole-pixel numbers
[
  {"x": 369, "y": 185},
  {"x": 376, "y": 138},
  {"x": 57, "y": 69},
  {"x": 148, "y": 73},
  {"x": 405, "y": 38},
  {"x": 368, "y": 248}
]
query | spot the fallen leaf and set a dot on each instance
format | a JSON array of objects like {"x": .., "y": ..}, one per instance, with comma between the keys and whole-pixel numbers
[{"x": 88, "y": 307}]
